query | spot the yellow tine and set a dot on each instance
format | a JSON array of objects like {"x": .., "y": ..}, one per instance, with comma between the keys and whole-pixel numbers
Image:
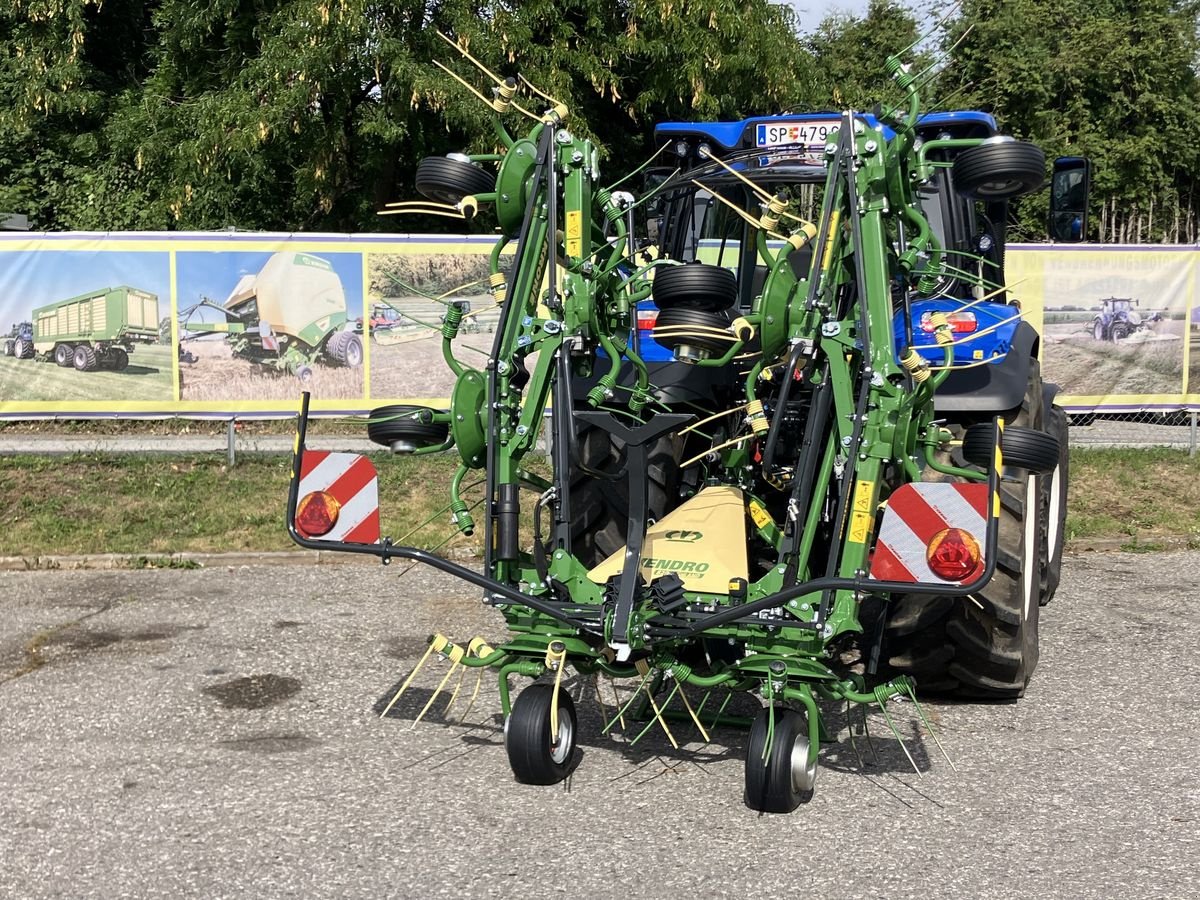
[{"x": 408, "y": 680}]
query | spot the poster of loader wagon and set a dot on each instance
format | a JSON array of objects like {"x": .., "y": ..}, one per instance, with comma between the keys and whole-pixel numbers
[
  {"x": 85, "y": 326},
  {"x": 1114, "y": 321},
  {"x": 409, "y": 295},
  {"x": 264, "y": 326}
]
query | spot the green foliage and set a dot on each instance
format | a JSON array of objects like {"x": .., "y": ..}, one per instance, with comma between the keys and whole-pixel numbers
[
  {"x": 1113, "y": 80},
  {"x": 310, "y": 114}
]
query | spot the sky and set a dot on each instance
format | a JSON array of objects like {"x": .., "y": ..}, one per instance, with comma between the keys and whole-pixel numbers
[{"x": 811, "y": 12}]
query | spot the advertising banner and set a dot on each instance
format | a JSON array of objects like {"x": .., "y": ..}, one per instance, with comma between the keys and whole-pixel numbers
[
  {"x": 228, "y": 325},
  {"x": 223, "y": 325},
  {"x": 1116, "y": 323}
]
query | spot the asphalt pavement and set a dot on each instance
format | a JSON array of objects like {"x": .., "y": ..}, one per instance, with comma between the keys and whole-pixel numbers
[{"x": 216, "y": 733}]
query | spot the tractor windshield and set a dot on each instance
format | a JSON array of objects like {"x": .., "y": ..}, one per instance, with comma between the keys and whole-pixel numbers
[{"x": 696, "y": 214}]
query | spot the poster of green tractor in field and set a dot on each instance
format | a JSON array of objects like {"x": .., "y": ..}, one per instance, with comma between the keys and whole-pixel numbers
[{"x": 283, "y": 319}]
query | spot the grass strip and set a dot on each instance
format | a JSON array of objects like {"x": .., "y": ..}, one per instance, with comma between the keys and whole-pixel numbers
[{"x": 153, "y": 505}]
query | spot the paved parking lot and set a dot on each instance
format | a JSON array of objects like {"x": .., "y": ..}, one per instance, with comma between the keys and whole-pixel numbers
[{"x": 215, "y": 733}]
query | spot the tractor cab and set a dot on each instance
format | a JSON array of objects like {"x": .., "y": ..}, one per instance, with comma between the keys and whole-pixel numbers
[{"x": 721, "y": 171}]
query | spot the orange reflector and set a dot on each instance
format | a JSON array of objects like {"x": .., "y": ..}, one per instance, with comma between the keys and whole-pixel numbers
[
  {"x": 317, "y": 513},
  {"x": 953, "y": 554},
  {"x": 960, "y": 322}
]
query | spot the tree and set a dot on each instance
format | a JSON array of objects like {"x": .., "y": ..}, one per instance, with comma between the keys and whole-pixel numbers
[{"x": 1114, "y": 80}]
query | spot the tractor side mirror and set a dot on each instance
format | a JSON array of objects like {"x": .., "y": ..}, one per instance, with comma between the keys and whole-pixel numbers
[{"x": 1069, "y": 188}]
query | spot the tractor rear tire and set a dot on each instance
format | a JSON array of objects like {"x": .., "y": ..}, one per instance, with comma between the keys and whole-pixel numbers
[
  {"x": 24, "y": 349},
  {"x": 84, "y": 358},
  {"x": 984, "y": 646},
  {"x": 600, "y": 502},
  {"x": 346, "y": 349},
  {"x": 695, "y": 286},
  {"x": 999, "y": 171},
  {"x": 64, "y": 355},
  {"x": 446, "y": 180},
  {"x": 1054, "y": 508}
]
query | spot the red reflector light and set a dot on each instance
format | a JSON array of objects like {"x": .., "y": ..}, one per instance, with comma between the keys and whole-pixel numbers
[
  {"x": 960, "y": 322},
  {"x": 647, "y": 319},
  {"x": 316, "y": 514},
  {"x": 954, "y": 555}
]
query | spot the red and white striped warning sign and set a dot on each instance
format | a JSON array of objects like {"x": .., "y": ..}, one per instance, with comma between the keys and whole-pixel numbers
[
  {"x": 916, "y": 515},
  {"x": 351, "y": 480}
]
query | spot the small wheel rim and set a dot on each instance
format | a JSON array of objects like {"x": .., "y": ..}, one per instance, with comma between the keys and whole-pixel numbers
[
  {"x": 804, "y": 773},
  {"x": 560, "y": 749}
]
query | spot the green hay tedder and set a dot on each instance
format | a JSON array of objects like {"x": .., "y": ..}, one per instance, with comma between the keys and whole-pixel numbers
[{"x": 800, "y": 447}]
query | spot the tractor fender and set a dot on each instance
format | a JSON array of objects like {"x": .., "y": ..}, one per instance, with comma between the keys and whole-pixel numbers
[{"x": 992, "y": 388}]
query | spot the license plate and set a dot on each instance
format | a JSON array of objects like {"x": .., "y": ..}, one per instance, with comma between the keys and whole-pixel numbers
[{"x": 813, "y": 133}]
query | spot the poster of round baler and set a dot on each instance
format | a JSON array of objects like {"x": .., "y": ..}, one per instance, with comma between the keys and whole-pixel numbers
[{"x": 260, "y": 326}]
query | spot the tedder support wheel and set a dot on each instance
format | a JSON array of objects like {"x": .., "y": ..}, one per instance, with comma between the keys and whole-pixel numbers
[
  {"x": 695, "y": 286},
  {"x": 536, "y": 755},
  {"x": 446, "y": 180},
  {"x": 1054, "y": 507},
  {"x": 1000, "y": 170},
  {"x": 406, "y": 428},
  {"x": 984, "y": 646},
  {"x": 778, "y": 775},
  {"x": 1024, "y": 448}
]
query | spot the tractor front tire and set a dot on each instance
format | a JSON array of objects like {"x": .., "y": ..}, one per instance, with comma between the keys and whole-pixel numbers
[
  {"x": 24, "y": 349},
  {"x": 986, "y": 645},
  {"x": 1054, "y": 508},
  {"x": 600, "y": 491}
]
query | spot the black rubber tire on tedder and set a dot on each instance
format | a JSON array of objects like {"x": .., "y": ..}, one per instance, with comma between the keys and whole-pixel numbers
[
  {"x": 411, "y": 425},
  {"x": 703, "y": 322},
  {"x": 1025, "y": 448},
  {"x": 695, "y": 286},
  {"x": 779, "y": 785},
  {"x": 535, "y": 755},
  {"x": 1000, "y": 170},
  {"x": 446, "y": 180}
]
